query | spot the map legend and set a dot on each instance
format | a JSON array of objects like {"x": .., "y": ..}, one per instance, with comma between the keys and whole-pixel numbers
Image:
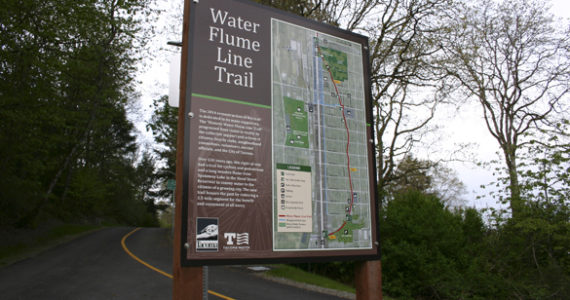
[{"x": 295, "y": 209}]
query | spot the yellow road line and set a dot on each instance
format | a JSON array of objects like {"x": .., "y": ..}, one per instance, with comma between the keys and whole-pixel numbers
[
  {"x": 156, "y": 269},
  {"x": 138, "y": 259},
  {"x": 220, "y": 295}
]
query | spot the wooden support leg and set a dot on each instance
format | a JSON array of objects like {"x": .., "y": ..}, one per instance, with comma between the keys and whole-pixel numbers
[{"x": 368, "y": 279}]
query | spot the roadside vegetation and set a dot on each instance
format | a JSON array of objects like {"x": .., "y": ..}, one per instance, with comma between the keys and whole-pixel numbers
[
  {"x": 430, "y": 251},
  {"x": 67, "y": 78},
  {"x": 299, "y": 275},
  {"x": 21, "y": 243}
]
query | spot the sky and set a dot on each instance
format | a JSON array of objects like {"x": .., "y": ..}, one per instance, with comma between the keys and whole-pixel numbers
[{"x": 457, "y": 127}]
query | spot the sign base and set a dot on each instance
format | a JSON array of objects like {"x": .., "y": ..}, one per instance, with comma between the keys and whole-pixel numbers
[{"x": 368, "y": 280}]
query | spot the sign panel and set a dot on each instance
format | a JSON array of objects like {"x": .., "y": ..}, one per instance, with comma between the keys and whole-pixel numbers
[{"x": 279, "y": 161}]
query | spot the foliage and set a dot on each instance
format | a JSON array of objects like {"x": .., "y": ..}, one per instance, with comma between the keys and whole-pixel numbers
[
  {"x": 432, "y": 252},
  {"x": 427, "y": 177},
  {"x": 411, "y": 174},
  {"x": 428, "y": 251},
  {"x": 545, "y": 173},
  {"x": 289, "y": 272},
  {"x": 528, "y": 254},
  {"x": 21, "y": 243},
  {"x": 148, "y": 183},
  {"x": 66, "y": 75},
  {"x": 531, "y": 249},
  {"x": 164, "y": 127}
]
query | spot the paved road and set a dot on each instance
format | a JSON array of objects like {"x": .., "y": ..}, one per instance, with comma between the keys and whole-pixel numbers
[{"x": 96, "y": 266}]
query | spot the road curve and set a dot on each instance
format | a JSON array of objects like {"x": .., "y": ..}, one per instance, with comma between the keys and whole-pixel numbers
[
  {"x": 98, "y": 266},
  {"x": 91, "y": 267}
]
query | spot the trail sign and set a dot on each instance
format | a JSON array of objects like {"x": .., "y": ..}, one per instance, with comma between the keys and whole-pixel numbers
[{"x": 278, "y": 148}]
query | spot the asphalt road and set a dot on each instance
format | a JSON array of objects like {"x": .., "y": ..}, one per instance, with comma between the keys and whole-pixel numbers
[{"x": 96, "y": 266}]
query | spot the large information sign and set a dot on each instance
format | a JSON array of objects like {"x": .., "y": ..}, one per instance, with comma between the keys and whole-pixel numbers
[{"x": 279, "y": 160}]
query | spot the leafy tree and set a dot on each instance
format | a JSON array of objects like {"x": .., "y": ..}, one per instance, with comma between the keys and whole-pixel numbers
[
  {"x": 545, "y": 173},
  {"x": 411, "y": 174},
  {"x": 66, "y": 76},
  {"x": 514, "y": 60},
  {"x": 163, "y": 125},
  {"x": 430, "y": 252},
  {"x": 528, "y": 254},
  {"x": 147, "y": 183},
  {"x": 427, "y": 177}
]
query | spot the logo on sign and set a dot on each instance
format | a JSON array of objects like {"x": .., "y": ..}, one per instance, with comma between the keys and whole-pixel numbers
[
  {"x": 239, "y": 239},
  {"x": 236, "y": 241},
  {"x": 207, "y": 234}
]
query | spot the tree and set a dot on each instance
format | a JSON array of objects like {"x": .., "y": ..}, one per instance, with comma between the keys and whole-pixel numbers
[
  {"x": 403, "y": 47},
  {"x": 67, "y": 72},
  {"x": 430, "y": 252},
  {"x": 431, "y": 178},
  {"x": 163, "y": 125},
  {"x": 411, "y": 174},
  {"x": 545, "y": 173},
  {"x": 514, "y": 60},
  {"x": 147, "y": 182},
  {"x": 528, "y": 254},
  {"x": 340, "y": 13}
]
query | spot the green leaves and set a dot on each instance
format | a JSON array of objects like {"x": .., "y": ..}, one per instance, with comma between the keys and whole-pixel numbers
[
  {"x": 163, "y": 125},
  {"x": 427, "y": 248},
  {"x": 66, "y": 75}
]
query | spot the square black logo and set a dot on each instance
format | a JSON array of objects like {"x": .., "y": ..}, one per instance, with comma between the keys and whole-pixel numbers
[{"x": 207, "y": 234}]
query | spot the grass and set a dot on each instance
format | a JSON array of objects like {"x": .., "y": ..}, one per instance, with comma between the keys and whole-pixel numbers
[
  {"x": 20, "y": 244},
  {"x": 295, "y": 274},
  {"x": 298, "y": 275}
]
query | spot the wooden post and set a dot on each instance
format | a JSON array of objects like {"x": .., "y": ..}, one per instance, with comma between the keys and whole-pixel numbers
[
  {"x": 187, "y": 281},
  {"x": 368, "y": 280}
]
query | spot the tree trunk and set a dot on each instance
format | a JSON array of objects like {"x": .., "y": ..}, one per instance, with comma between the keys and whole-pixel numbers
[{"x": 514, "y": 185}]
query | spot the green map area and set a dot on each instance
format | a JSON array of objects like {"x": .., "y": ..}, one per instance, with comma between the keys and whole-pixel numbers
[
  {"x": 297, "y": 124},
  {"x": 346, "y": 234},
  {"x": 338, "y": 62}
]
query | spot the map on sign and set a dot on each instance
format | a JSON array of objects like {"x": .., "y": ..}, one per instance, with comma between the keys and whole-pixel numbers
[{"x": 321, "y": 195}]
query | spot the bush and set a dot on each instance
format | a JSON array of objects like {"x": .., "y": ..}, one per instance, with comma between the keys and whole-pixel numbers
[{"x": 427, "y": 249}]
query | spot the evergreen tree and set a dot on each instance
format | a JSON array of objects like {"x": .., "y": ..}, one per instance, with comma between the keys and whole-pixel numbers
[{"x": 163, "y": 125}]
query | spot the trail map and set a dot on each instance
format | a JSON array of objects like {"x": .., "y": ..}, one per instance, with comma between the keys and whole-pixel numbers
[{"x": 321, "y": 197}]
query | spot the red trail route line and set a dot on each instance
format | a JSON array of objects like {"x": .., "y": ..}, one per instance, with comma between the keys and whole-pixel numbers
[{"x": 347, "y": 137}]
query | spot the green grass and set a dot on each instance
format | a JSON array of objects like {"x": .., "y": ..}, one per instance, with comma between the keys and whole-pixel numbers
[
  {"x": 30, "y": 242},
  {"x": 295, "y": 274},
  {"x": 298, "y": 275}
]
